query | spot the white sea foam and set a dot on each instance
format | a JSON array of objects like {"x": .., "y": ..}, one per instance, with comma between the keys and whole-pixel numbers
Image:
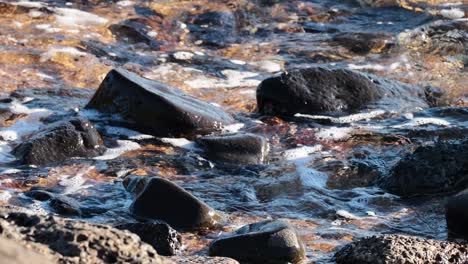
[
  {"x": 54, "y": 50},
  {"x": 420, "y": 121},
  {"x": 452, "y": 13},
  {"x": 300, "y": 152},
  {"x": 180, "y": 143},
  {"x": 5, "y": 153},
  {"x": 233, "y": 128},
  {"x": 347, "y": 215},
  {"x": 233, "y": 79},
  {"x": 376, "y": 67},
  {"x": 123, "y": 146},
  {"x": 345, "y": 119},
  {"x": 334, "y": 133},
  {"x": 130, "y": 134},
  {"x": 74, "y": 183},
  {"x": 75, "y": 17},
  {"x": 301, "y": 157}
]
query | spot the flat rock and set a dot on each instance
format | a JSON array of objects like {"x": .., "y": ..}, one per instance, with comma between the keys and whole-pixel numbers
[
  {"x": 433, "y": 169},
  {"x": 164, "y": 200},
  {"x": 239, "y": 148},
  {"x": 63, "y": 140},
  {"x": 320, "y": 90},
  {"x": 73, "y": 241},
  {"x": 263, "y": 242},
  {"x": 456, "y": 214},
  {"x": 154, "y": 108},
  {"x": 386, "y": 249},
  {"x": 161, "y": 236}
]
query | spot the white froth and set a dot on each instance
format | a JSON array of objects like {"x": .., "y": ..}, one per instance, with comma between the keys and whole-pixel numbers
[
  {"x": 54, "y": 50},
  {"x": 301, "y": 152},
  {"x": 130, "y": 134},
  {"x": 420, "y": 121},
  {"x": 5, "y": 196},
  {"x": 123, "y": 146},
  {"x": 301, "y": 157},
  {"x": 233, "y": 79},
  {"x": 75, "y": 17},
  {"x": 180, "y": 143},
  {"x": 5, "y": 153},
  {"x": 347, "y": 215},
  {"x": 233, "y": 128},
  {"x": 334, "y": 133},
  {"x": 452, "y": 13},
  {"x": 183, "y": 55},
  {"x": 376, "y": 67},
  {"x": 345, "y": 119}
]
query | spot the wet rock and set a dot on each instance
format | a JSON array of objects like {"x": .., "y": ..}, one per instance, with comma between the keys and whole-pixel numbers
[
  {"x": 401, "y": 249},
  {"x": 363, "y": 43},
  {"x": 154, "y": 108},
  {"x": 440, "y": 37},
  {"x": 75, "y": 137},
  {"x": 164, "y": 200},
  {"x": 65, "y": 206},
  {"x": 202, "y": 260},
  {"x": 135, "y": 30},
  {"x": 457, "y": 215},
  {"x": 433, "y": 169},
  {"x": 12, "y": 252},
  {"x": 161, "y": 236},
  {"x": 240, "y": 148},
  {"x": 73, "y": 241},
  {"x": 263, "y": 242},
  {"x": 39, "y": 195},
  {"x": 214, "y": 28},
  {"x": 334, "y": 91}
]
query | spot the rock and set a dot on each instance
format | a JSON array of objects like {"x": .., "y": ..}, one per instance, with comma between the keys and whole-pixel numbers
[
  {"x": 439, "y": 37},
  {"x": 321, "y": 90},
  {"x": 12, "y": 252},
  {"x": 163, "y": 238},
  {"x": 401, "y": 249},
  {"x": 164, "y": 200},
  {"x": 263, "y": 242},
  {"x": 456, "y": 214},
  {"x": 240, "y": 148},
  {"x": 135, "y": 30},
  {"x": 39, "y": 195},
  {"x": 65, "y": 206},
  {"x": 154, "y": 108},
  {"x": 75, "y": 137},
  {"x": 73, "y": 241},
  {"x": 434, "y": 169},
  {"x": 363, "y": 42},
  {"x": 202, "y": 260},
  {"x": 214, "y": 28}
]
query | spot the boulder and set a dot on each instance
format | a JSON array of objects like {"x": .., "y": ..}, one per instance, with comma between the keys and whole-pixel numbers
[
  {"x": 164, "y": 200},
  {"x": 73, "y": 241},
  {"x": 154, "y": 108},
  {"x": 64, "y": 205},
  {"x": 432, "y": 169},
  {"x": 456, "y": 214},
  {"x": 163, "y": 238},
  {"x": 386, "y": 249},
  {"x": 39, "y": 195},
  {"x": 320, "y": 90},
  {"x": 76, "y": 137},
  {"x": 263, "y": 242},
  {"x": 135, "y": 30},
  {"x": 239, "y": 148}
]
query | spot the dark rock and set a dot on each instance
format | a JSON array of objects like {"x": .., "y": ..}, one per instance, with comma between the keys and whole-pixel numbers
[
  {"x": 320, "y": 90},
  {"x": 363, "y": 42},
  {"x": 388, "y": 249},
  {"x": 71, "y": 138},
  {"x": 12, "y": 252},
  {"x": 202, "y": 260},
  {"x": 163, "y": 238},
  {"x": 65, "y": 206},
  {"x": 164, "y": 200},
  {"x": 241, "y": 148},
  {"x": 214, "y": 28},
  {"x": 457, "y": 215},
  {"x": 73, "y": 241},
  {"x": 133, "y": 31},
  {"x": 154, "y": 108},
  {"x": 39, "y": 195},
  {"x": 263, "y": 242},
  {"x": 434, "y": 169}
]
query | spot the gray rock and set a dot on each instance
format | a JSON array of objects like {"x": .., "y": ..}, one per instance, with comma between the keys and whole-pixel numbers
[
  {"x": 263, "y": 242},
  {"x": 388, "y": 249},
  {"x": 154, "y": 108},
  {"x": 64, "y": 205},
  {"x": 240, "y": 148},
  {"x": 75, "y": 137},
  {"x": 434, "y": 169},
  {"x": 12, "y": 252},
  {"x": 319, "y": 90},
  {"x": 161, "y": 236},
  {"x": 73, "y": 241},
  {"x": 164, "y": 200},
  {"x": 457, "y": 215}
]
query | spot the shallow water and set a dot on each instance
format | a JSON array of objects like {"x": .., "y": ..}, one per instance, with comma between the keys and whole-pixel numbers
[{"x": 54, "y": 56}]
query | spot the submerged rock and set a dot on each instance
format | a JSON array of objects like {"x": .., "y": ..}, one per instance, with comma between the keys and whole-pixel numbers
[
  {"x": 364, "y": 42},
  {"x": 263, "y": 242},
  {"x": 135, "y": 30},
  {"x": 164, "y": 200},
  {"x": 213, "y": 28},
  {"x": 457, "y": 215},
  {"x": 154, "y": 108},
  {"x": 65, "y": 206},
  {"x": 439, "y": 168},
  {"x": 73, "y": 241},
  {"x": 75, "y": 137},
  {"x": 401, "y": 249},
  {"x": 321, "y": 90},
  {"x": 241, "y": 148},
  {"x": 161, "y": 236}
]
